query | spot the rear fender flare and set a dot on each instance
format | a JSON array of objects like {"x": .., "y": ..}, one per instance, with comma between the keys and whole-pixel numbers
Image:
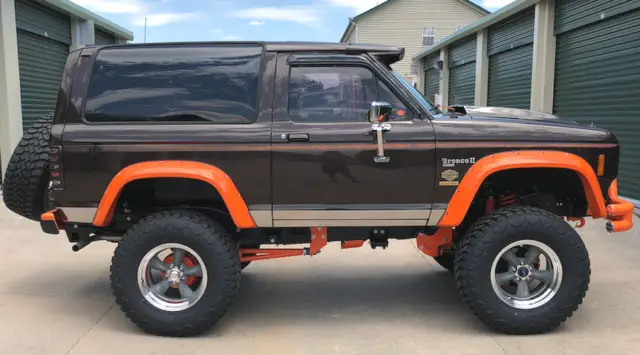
[
  {"x": 483, "y": 168},
  {"x": 175, "y": 169}
]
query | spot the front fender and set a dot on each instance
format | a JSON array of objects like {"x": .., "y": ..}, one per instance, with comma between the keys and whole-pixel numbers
[{"x": 483, "y": 168}]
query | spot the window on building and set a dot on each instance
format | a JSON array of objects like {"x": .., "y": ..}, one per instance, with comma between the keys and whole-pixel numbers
[
  {"x": 337, "y": 94},
  {"x": 428, "y": 36},
  {"x": 216, "y": 84}
]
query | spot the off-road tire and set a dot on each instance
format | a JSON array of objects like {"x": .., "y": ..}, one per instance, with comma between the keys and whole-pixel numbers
[
  {"x": 25, "y": 183},
  {"x": 446, "y": 261},
  {"x": 488, "y": 236},
  {"x": 207, "y": 238}
]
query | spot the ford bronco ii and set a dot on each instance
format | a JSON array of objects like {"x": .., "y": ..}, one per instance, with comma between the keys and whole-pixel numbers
[{"x": 201, "y": 158}]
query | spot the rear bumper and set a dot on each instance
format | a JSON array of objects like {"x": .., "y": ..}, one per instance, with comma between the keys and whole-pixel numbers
[
  {"x": 619, "y": 211},
  {"x": 53, "y": 221}
]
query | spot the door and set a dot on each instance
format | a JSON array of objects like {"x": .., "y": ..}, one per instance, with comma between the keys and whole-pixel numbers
[
  {"x": 431, "y": 84},
  {"x": 104, "y": 38},
  {"x": 510, "y": 51},
  {"x": 43, "y": 38},
  {"x": 323, "y": 150},
  {"x": 462, "y": 72},
  {"x": 597, "y": 74}
]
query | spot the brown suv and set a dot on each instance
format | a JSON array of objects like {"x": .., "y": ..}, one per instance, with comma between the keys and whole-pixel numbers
[{"x": 198, "y": 158}]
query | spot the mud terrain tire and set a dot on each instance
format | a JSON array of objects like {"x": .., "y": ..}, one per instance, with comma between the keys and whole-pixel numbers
[
  {"x": 24, "y": 187},
  {"x": 494, "y": 233},
  {"x": 219, "y": 254}
]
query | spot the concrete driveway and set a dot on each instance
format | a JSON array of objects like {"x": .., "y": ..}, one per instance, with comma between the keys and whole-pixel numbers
[{"x": 363, "y": 301}]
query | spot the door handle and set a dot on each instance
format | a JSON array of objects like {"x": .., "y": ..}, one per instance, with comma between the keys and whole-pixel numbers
[
  {"x": 298, "y": 137},
  {"x": 379, "y": 129}
]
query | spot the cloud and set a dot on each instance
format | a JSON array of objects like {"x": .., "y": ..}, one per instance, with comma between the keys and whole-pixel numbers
[
  {"x": 216, "y": 31},
  {"x": 357, "y": 6},
  {"x": 257, "y": 23},
  {"x": 301, "y": 14},
  {"x": 164, "y": 19},
  {"x": 112, "y": 6},
  {"x": 231, "y": 38},
  {"x": 496, "y": 4}
]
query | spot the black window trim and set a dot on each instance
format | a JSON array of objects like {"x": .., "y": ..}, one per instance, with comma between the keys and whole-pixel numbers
[
  {"x": 94, "y": 58},
  {"x": 357, "y": 62}
]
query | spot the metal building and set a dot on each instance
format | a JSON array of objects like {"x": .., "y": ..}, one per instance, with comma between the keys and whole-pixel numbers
[
  {"x": 35, "y": 38},
  {"x": 574, "y": 58}
]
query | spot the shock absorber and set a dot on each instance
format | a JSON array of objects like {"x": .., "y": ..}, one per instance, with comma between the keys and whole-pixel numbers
[{"x": 507, "y": 199}]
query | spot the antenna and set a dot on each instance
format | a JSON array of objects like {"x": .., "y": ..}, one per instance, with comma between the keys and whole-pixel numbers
[{"x": 145, "y": 29}]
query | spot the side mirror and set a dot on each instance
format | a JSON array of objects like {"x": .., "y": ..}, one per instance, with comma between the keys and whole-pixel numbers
[{"x": 380, "y": 112}]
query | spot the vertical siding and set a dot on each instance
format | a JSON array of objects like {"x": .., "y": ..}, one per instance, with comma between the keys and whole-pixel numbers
[
  {"x": 597, "y": 76},
  {"x": 400, "y": 23}
]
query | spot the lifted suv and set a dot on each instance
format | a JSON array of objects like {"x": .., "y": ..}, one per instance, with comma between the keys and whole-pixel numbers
[{"x": 198, "y": 158}]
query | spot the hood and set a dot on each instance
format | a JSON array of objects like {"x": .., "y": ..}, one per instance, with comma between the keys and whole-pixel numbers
[
  {"x": 484, "y": 122},
  {"x": 504, "y": 112}
]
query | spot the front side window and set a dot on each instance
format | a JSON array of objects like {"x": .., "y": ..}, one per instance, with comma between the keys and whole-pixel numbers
[
  {"x": 217, "y": 83},
  {"x": 428, "y": 36},
  {"x": 337, "y": 94}
]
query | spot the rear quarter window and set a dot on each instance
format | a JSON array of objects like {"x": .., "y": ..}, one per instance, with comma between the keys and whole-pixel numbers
[{"x": 215, "y": 83}]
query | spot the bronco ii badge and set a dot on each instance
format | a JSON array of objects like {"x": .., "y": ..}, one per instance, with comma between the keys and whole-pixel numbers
[{"x": 450, "y": 163}]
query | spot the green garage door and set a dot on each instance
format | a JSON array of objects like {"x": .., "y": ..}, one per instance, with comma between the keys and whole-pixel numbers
[
  {"x": 510, "y": 51},
  {"x": 598, "y": 75},
  {"x": 103, "y": 37},
  {"x": 43, "y": 45},
  {"x": 431, "y": 78},
  {"x": 462, "y": 72}
]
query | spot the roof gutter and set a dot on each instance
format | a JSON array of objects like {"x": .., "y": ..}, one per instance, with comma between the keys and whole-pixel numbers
[
  {"x": 84, "y": 14},
  {"x": 483, "y": 23}
]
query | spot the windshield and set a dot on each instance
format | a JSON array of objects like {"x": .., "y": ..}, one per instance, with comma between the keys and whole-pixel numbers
[{"x": 431, "y": 107}]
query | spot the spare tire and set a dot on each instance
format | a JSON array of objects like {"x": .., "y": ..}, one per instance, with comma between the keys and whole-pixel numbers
[{"x": 26, "y": 180}]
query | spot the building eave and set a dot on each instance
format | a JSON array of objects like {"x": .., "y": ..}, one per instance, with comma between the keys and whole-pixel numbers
[
  {"x": 348, "y": 31},
  {"x": 84, "y": 14},
  {"x": 479, "y": 25}
]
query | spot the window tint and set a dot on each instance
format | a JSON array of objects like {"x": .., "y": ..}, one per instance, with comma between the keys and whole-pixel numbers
[
  {"x": 400, "y": 111},
  {"x": 337, "y": 94},
  {"x": 215, "y": 83}
]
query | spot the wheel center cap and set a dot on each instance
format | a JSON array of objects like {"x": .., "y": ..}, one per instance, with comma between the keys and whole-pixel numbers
[
  {"x": 523, "y": 271},
  {"x": 174, "y": 275}
]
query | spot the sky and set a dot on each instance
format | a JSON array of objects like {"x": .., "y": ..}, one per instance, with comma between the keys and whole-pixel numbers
[{"x": 229, "y": 20}]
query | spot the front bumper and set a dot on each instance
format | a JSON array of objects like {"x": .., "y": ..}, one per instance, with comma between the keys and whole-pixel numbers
[{"x": 619, "y": 211}]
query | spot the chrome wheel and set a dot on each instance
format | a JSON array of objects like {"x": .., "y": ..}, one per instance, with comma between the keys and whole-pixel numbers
[
  {"x": 172, "y": 277},
  {"x": 526, "y": 274}
]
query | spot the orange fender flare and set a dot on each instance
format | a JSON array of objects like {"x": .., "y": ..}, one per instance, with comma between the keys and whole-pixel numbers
[
  {"x": 466, "y": 191},
  {"x": 175, "y": 169}
]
